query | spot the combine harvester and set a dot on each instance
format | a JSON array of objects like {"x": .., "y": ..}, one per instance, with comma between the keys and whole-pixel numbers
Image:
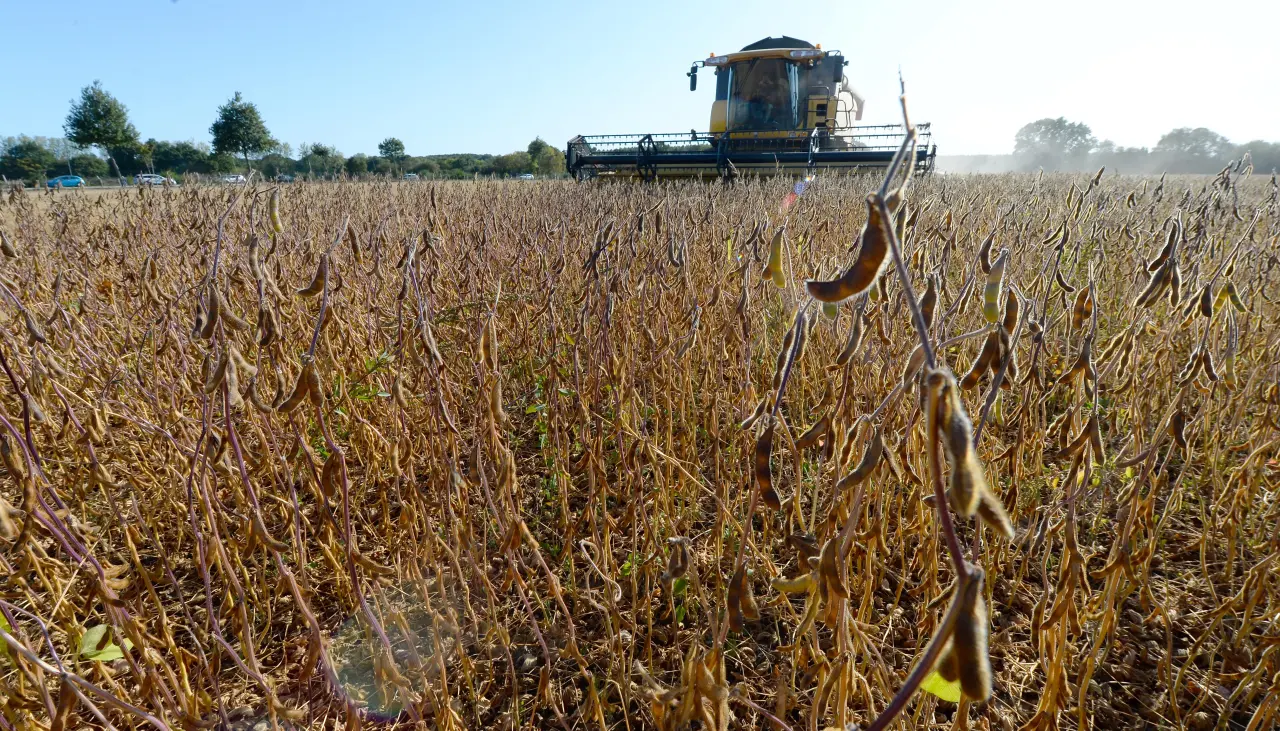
[{"x": 783, "y": 107}]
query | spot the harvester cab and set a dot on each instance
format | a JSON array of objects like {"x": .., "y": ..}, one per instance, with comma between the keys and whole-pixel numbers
[{"x": 782, "y": 106}]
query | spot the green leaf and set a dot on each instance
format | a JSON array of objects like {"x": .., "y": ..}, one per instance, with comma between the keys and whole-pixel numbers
[
  {"x": 681, "y": 585},
  {"x": 947, "y": 690},
  {"x": 680, "y": 614},
  {"x": 534, "y": 408},
  {"x": 92, "y": 647}
]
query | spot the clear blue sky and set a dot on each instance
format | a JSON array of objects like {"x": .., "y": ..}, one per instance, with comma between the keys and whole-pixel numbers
[{"x": 488, "y": 77}]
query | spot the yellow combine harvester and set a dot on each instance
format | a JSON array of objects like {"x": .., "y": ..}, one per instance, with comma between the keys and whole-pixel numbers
[{"x": 783, "y": 106}]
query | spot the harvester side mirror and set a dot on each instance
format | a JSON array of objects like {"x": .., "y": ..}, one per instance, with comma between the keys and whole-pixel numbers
[
  {"x": 693, "y": 77},
  {"x": 838, "y": 75}
]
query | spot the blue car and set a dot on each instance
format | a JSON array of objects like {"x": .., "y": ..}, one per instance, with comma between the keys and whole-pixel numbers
[{"x": 66, "y": 181}]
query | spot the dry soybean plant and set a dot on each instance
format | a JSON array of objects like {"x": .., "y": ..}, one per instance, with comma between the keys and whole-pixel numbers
[{"x": 989, "y": 451}]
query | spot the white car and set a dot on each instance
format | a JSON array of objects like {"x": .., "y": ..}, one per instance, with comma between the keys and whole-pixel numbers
[
  {"x": 234, "y": 178},
  {"x": 153, "y": 179},
  {"x": 410, "y": 176},
  {"x": 527, "y": 176}
]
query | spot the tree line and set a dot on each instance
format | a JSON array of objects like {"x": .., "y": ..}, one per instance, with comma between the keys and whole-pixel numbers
[
  {"x": 101, "y": 142},
  {"x": 1059, "y": 144}
]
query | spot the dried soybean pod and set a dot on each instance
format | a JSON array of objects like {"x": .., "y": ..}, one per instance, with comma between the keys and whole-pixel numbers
[
  {"x": 1175, "y": 283},
  {"x": 855, "y": 338},
  {"x": 233, "y": 321},
  {"x": 929, "y": 301},
  {"x": 34, "y": 333},
  {"x": 970, "y": 640},
  {"x": 871, "y": 261},
  {"x": 742, "y": 603},
  {"x": 984, "y": 253},
  {"x": 1012, "y": 311},
  {"x": 678, "y": 561},
  {"x": 1177, "y": 428},
  {"x": 6, "y": 246},
  {"x": 986, "y": 358},
  {"x": 1234, "y": 294},
  {"x": 1155, "y": 287},
  {"x": 784, "y": 355},
  {"x": 755, "y": 415},
  {"x": 992, "y": 512},
  {"x": 1062, "y": 282},
  {"x": 301, "y": 389},
  {"x": 1206, "y": 356},
  {"x": 217, "y": 374},
  {"x": 213, "y": 311},
  {"x": 267, "y": 327},
  {"x": 991, "y": 292},
  {"x": 763, "y": 470},
  {"x": 914, "y": 361},
  {"x": 1083, "y": 308},
  {"x": 814, "y": 433},
  {"x": 870, "y": 460},
  {"x": 1206, "y": 301},
  {"x": 946, "y": 664},
  {"x": 318, "y": 281},
  {"x": 1094, "y": 428},
  {"x": 273, "y": 211},
  {"x": 773, "y": 267}
]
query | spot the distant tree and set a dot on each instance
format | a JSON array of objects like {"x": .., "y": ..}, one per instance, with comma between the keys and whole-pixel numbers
[
  {"x": 392, "y": 149},
  {"x": 318, "y": 159},
  {"x": 89, "y": 166},
  {"x": 537, "y": 147},
  {"x": 515, "y": 163},
  {"x": 1053, "y": 143},
  {"x": 100, "y": 120},
  {"x": 1265, "y": 156},
  {"x": 381, "y": 166},
  {"x": 178, "y": 157},
  {"x": 274, "y": 164},
  {"x": 548, "y": 160},
  {"x": 239, "y": 129},
  {"x": 129, "y": 158},
  {"x": 1199, "y": 150},
  {"x": 357, "y": 164},
  {"x": 424, "y": 166},
  {"x": 28, "y": 160},
  {"x": 222, "y": 163}
]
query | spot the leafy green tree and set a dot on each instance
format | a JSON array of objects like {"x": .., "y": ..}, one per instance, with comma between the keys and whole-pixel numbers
[
  {"x": 515, "y": 163},
  {"x": 240, "y": 129},
  {"x": 28, "y": 160},
  {"x": 537, "y": 147},
  {"x": 129, "y": 158},
  {"x": 381, "y": 166},
  {"x": 318, "y": 159},
  {"x": 392, "y": 149},
  {"x": 274, "y": 164},
  {"x": 357, "y": 165},
  {"x": 178, "y": 157},
  {"x": 100, "y": 120},
  {"x": 424, "y": 166},
  {"x": 549, "y": 161},
  {"x": 1053, "y": 143},
  {"x": 89, "y": 166}
]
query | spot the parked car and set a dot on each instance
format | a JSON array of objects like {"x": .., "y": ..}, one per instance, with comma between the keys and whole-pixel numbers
[
  {"x": 153, "y": 179},
  {"x": 526, "y": 176},
  {"x": 66, "y": 181},
  {"x": 410, "y": 176},
  {"x": 234, "y": 179},
  {"x": 283, "y": 178}
]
